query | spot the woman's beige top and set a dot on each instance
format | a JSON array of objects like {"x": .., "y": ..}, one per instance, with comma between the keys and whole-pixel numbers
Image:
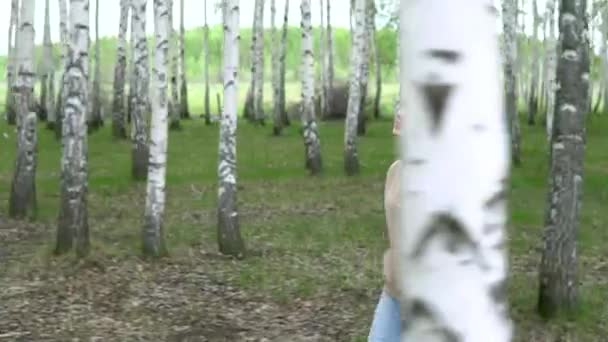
[{"x": 391, "y": 210}]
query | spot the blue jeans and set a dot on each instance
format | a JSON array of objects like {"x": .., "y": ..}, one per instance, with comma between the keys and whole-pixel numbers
[{"x": 386, "y": 326}]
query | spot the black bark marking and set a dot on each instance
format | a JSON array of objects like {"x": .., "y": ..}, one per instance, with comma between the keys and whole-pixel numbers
[
  {"x": 419, "y": 309},
  {"x": 498, "y": 292},
  {"x": 479, "y": 128},
  {"x": 490, "y": 228},
  {"x": 416, "y": 161},
  {"x": 455, "y": 235},
  {"x": 448, "y": 56},
  {"x": 436, "y": 96},
  {"x": 498, "y": 197}
]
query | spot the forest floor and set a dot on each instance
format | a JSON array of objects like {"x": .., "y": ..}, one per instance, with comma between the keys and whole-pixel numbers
[{"x": 313, "y": 269}]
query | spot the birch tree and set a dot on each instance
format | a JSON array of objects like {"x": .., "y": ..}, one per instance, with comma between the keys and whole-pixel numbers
[
  {"x": 351, "y": 157},
  {"x": 9, "y": 104},
  {"x": 229, "y": 235},
  {"x": 534, "y": 86},
  {"x": 509, "y": 8},
  {"x": 282, "y": 64},
  {"x": 558, "y": 283},
  {"x": 140, "y": 97},
  {"x": 330, "y": 61},
  {"x": 183, "y": 104},
  {"x": 258, "y": 98},
  {"x": 453, "y": 232},
  {"x": 312, "y": 142},
  {"x": 376, "y": 54},
  {"x": 604, "y": 56},
  {"x": 47, "y": 94},
  {"x": 96, "y": 119},
  {"x": 551, "y": 51},
  {"x": 46, "y": 64},
  {"x": 22, "y": 201},
  {"x": 65, "y": 46},
  {"x": 119, "y": 124},
  {"x": 153, "y": 237},
  {"x": 361, "y": 126},
  {"x": 73, "y": 227},
  {"x": 276, "y": 96},
  {"x": 322, "y": 60},
  {"x": 206, "y": 54},
  {"x": 174, "y": 113}
]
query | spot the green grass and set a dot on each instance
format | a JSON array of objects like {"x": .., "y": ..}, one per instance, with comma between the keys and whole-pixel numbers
[{"x": 313, "y": 238}]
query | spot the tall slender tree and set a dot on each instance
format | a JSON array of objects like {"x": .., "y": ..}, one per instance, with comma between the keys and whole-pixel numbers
[
  {"x": 206, "y": 54},
  {"x": 329, "y": 65},
  {"x": 46, "y": 63},
  {"x": 361, "y": 126},
  {"x": 453, "y": 232},
  {"x": 183, "y": 106},
  {"x": 282, "y": 64},
  {"x": 249, "y": 112},
  {"x": 376, "y": 54},
  {"x": 73, "y": 226},
  {"x": 509, "y": 8},
  {"x": 174, "y": 114},
  {"x": 140, "y": 97},
  {"x": 153, "y": 236},
  {"x": 312, "y": 142},
  {"x": 558, "y": 283},
  {"x": 229, "y": 235},
  {"x": 322, "y": 60},
  {"x": 276, "y": 96},
  {"x": 534, "y": 86},
  {"x": 9, "y": 103},
  {"x": 96, "y": 119},
  {"x": 551, "y": 51},
  {"x": 604, "y": 55},
  {"x": 22, "y": 202},
  {"x": 351, "y": 157},
  {"x": 65, "y": 47},
  {"x": 258, "y": 103},
  {"x": 119, "y": 124}
]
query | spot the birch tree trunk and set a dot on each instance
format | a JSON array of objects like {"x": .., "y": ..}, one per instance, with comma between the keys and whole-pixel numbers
[
  {"x": 378, "y": 72},
  {"x": 131, "y": 70},
  {"x": 10, "y": 110},
  {"x": 453, "y": 232},
  {"x": 73, "y": 227},
  {"x": 276, "y": 96},
  {"x": 351, "y": 157},
  {"x": 184, "y": 107},
  {"x": 206, "y": 53},
  {"x": 604, "y": 55},
  {"x": 140, "y": 59},
  {"x": 65, "y": 46},
  {"x": 510, "y": 24},
  {"x": 282, "y": 64},
  {"x": 330, "y": 61},
  {"x": 50, "y": 101},
  {"x": 551, "y": 50},
  {"x": 229, "y": 235},
  {"x": 153, "y": 237},
  {"x": 249, "y": 112},
  {"x": 22, "y": 201},
  {"x": 361, "y": 126},
  {"x": 96, "y": 119},
  {"x": 119, "y": 124},
  {"x": 534, "y": 88},
  {"x": 46, "y": 63},
  {"x": 258, "y": 97},
  {"x": 47, "y": 112},
  {"x": 174, "y": 113},
  {"x": 322, "y": 60},
  {"x": 558, "y": 282},
  {"x": 310, "y": 130}
]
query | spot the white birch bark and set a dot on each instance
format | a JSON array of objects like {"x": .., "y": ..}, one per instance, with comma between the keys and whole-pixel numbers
[
  {"x": 322, "y": 60},
  {"x": 312, "y": 142},
  {"x": 276, "y": 72},
  {"x": 452, "y": 232},
  {"x": 282, "y": 65},
  {"x": 65, "y": 42},
  {"x": 229, "y": 236},
  {"x": 73, "y": 218},
  {"x": 10, "y": 111},
  {"x": 22, "y": 201},
  {"x": 351, "y": 156},
  {"x": 153, "y": 237},
  {"x": 364, "y": 65},
  {"x": 119, "y": 124},
  {"x": 604, "y": 56},
  {"x": 330, "y": 61},
  {"x": 510, "y": 66},
  {"x": 184, "y": 105},
  {"x": 535, "y": 67},
  {"x": 206, "y": 67},
  {"x": 96, "y": 119},
  {"x": 258, "y": 103},
  {"x": 551, "y": 50},
  {"x": 139, "y": 106}
]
